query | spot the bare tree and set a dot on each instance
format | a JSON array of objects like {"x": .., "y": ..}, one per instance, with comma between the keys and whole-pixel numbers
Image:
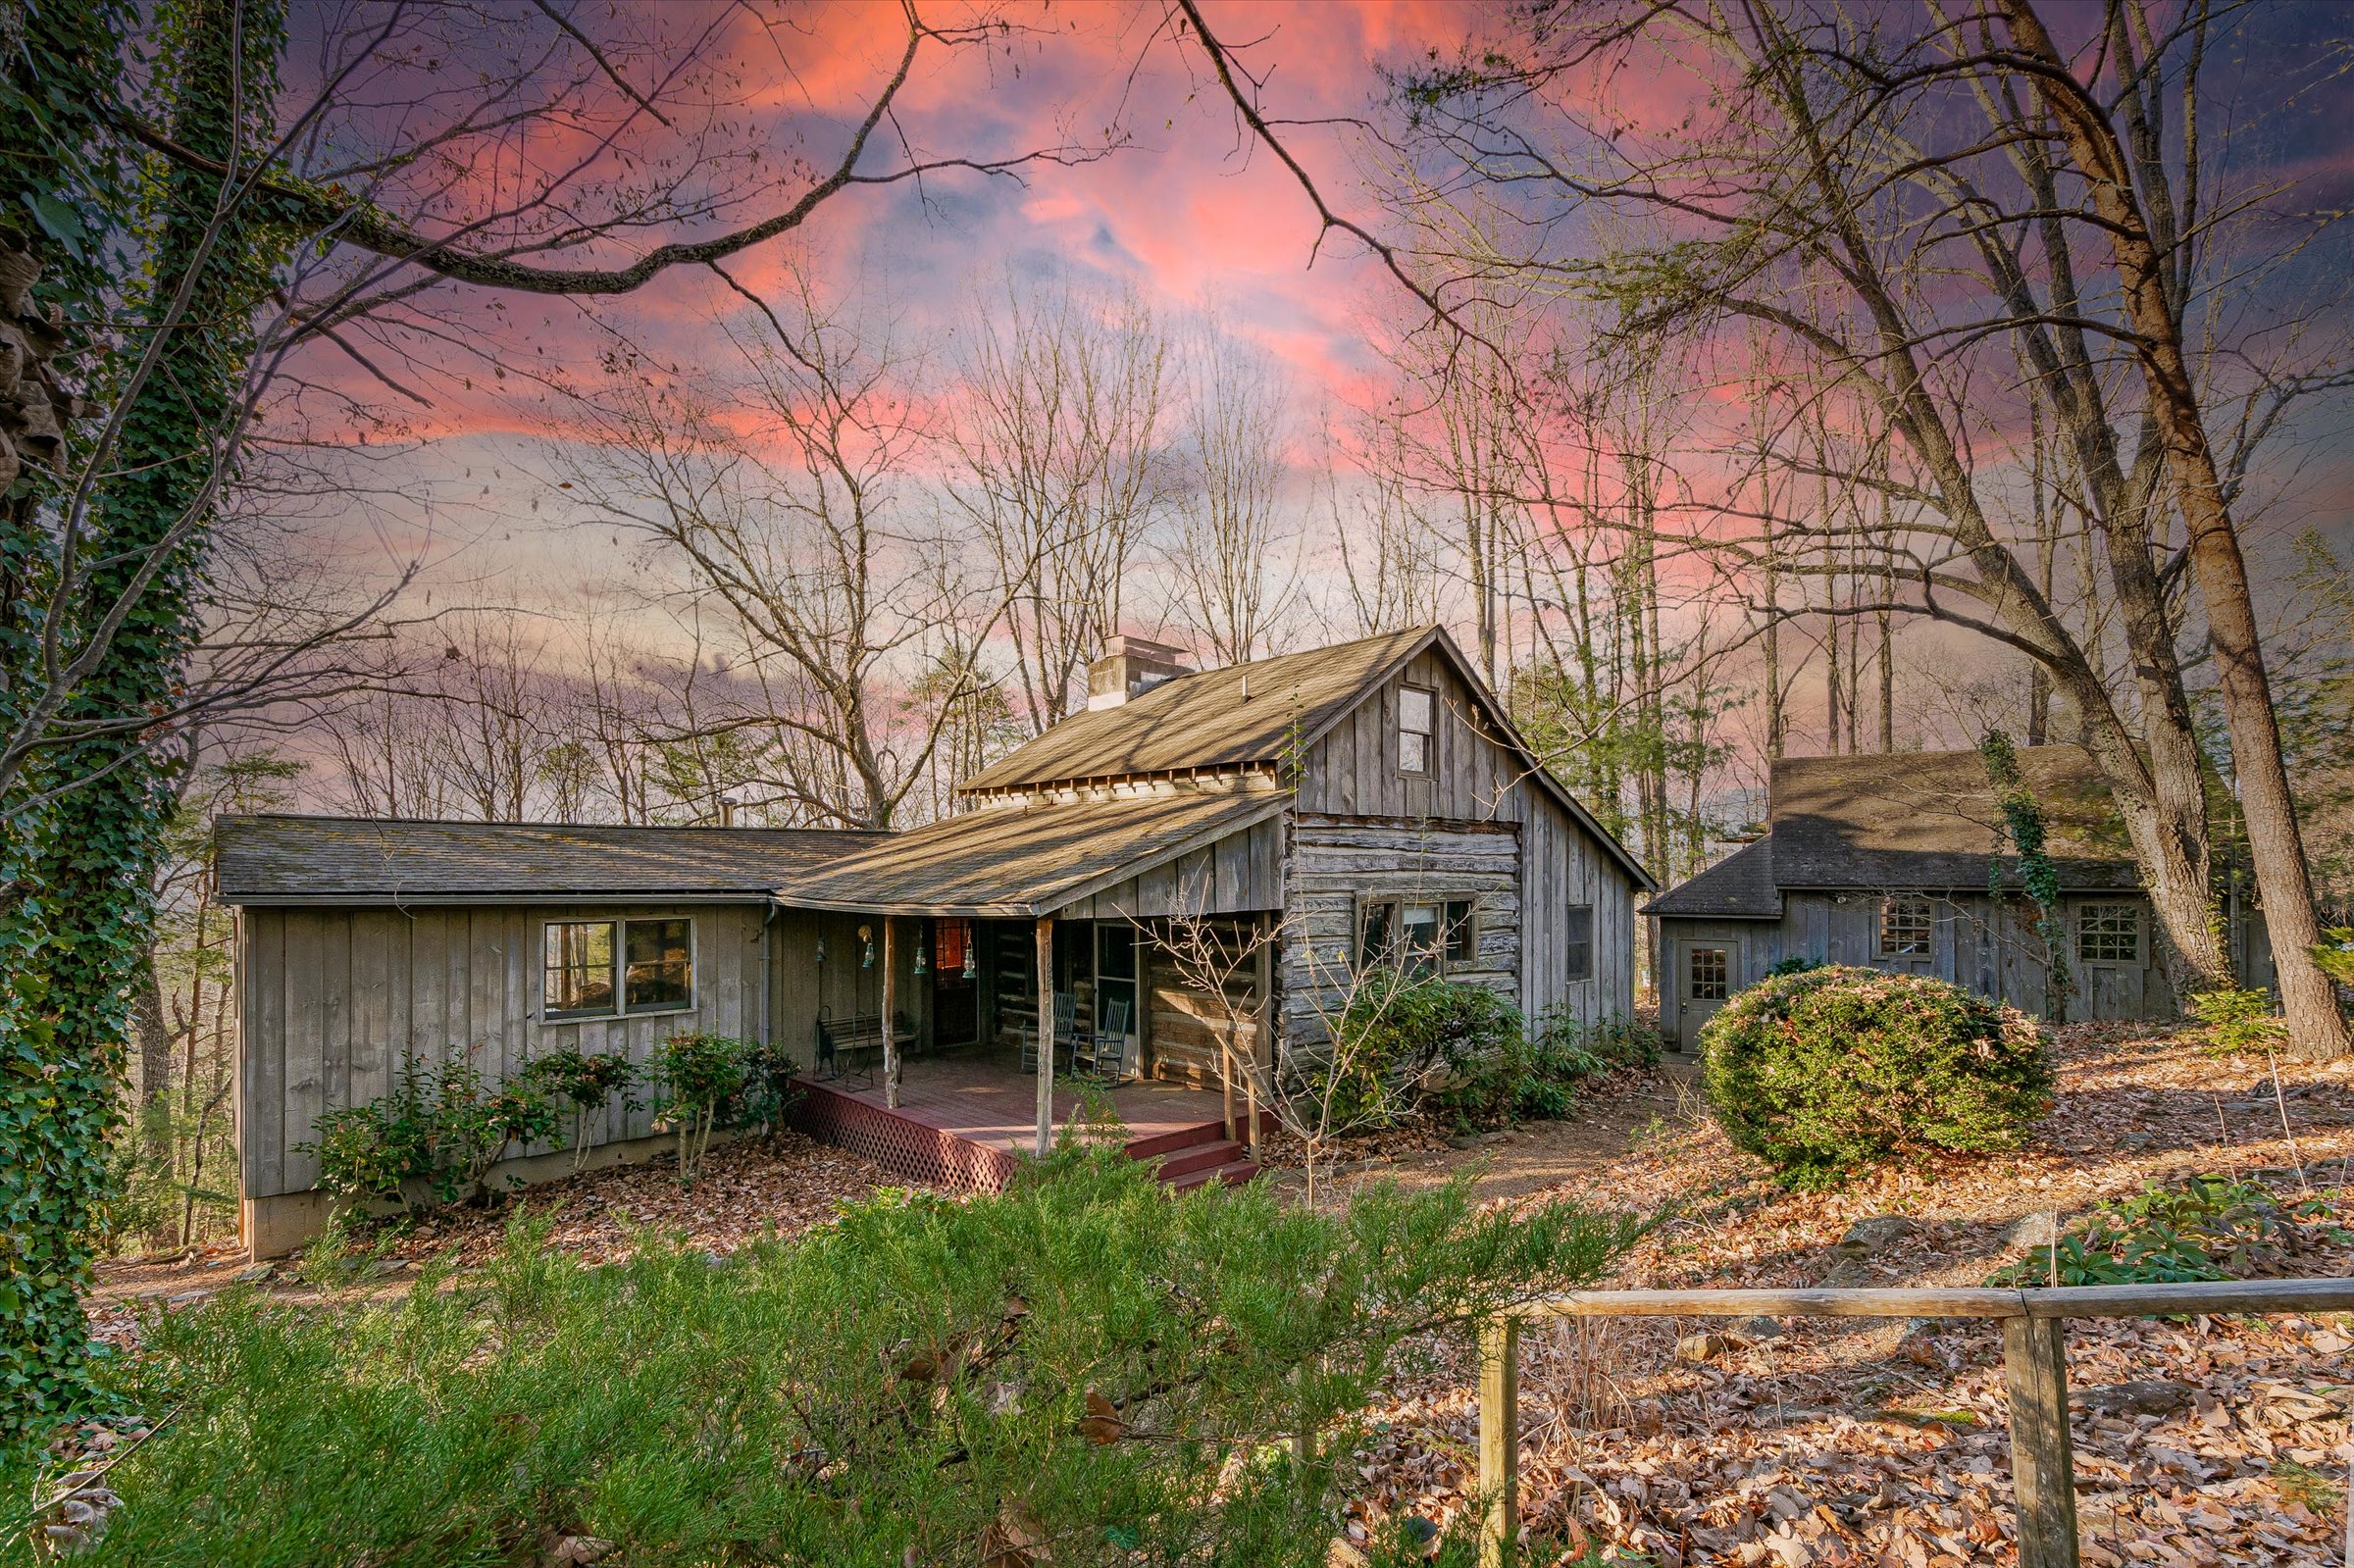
[{"x": 1230, "y": 581}]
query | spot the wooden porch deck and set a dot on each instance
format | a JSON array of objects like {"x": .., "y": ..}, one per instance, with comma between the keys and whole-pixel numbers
[{"x": 968, "y": 1121}]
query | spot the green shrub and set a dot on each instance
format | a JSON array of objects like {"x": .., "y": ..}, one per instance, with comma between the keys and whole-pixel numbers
[
  {"x": 2239, "y": 1022},
  {"x": 2335, "y": 952},
  {"x": 442, "y": 1125},
  {"x": 586, "y": 1082},
  {"x": 1828, "y": 1071},
  {"x": 1082, "y": 1362},
  {"x": 698, "y": 1078},
  {"x": 1405, "y": 1041},
  {"x": 2210, "y": 1227}
]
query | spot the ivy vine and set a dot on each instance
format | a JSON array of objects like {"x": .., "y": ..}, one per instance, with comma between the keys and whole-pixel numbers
[{"x": 2038, "y": 873}]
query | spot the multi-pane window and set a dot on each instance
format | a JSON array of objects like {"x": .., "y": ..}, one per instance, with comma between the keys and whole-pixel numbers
[
  {"x": 1578, "y": 925},
  {"x": 1707, "y": 974},
  {"x": 577, "y": 978},
  {"x": 2109, "y": 933},
  {"x": 599, "y": 968},
  {"x": 1417, "y": 710},
  {"x": 1905, "y": 925},
  {"x": 1423, "y": 937},
  {"x": 660, "y": 974}
]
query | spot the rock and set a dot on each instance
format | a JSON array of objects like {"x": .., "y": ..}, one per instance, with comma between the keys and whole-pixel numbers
[
  {"x": 256, "y": 1273},
  {"x": 1696, "y": 1348},
  {"x": 1761, "y": 1328},
  {"x": 1462, "y": 1140},
  {"x": 2148, "y": 1397},
  {"x": 2028, "y": 1230},
  {"x": 577, "y": 1551},
  {"x": 1847, "y": 1274},
  {"x": 1874, "y": 1234}
]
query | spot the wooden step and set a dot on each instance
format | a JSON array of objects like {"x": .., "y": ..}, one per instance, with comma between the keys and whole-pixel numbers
[
  {"x": 1234, "y": 1174},
  {"x": 1201, "y": 1157},
  {"x": 1183, "y": 1138}
]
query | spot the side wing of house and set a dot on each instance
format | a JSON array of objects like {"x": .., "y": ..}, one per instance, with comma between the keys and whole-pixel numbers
[{"x": 1415, "y": 805}]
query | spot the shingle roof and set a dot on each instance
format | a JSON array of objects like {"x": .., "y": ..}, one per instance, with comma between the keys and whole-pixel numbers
[
  {"x": 1242, "y": 714},
  {"x": 1025, "y": 861},
  {"x": 1931, "y": 818},
  {"x": 1740, "y": 886},
  {"x": 289, "y": 859}
]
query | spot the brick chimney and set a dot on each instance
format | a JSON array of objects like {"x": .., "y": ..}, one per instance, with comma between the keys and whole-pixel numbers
[{"x": 1128, "y": 666}]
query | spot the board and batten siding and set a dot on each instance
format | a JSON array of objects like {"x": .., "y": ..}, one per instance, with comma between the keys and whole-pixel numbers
[
  {"x": 1996, "y": 954},
  {"x": 331, "y": 1001},
  {"x": 1474, "y": 776}
]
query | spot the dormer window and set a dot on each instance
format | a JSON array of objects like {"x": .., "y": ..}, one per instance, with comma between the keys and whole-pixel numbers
[{"x": 1417, "y": 709}]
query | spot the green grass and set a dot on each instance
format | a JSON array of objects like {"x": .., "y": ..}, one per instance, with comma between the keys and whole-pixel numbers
[{"x": 1082, "y": 1362}]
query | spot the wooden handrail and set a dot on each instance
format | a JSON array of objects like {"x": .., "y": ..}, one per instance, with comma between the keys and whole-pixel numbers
[{"x": 2035, "y": 1371}]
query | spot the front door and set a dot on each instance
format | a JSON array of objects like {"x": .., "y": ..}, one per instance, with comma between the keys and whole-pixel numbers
[
  {"x": 1703, "y": 976},
  {"x": 955, "y": 989}
]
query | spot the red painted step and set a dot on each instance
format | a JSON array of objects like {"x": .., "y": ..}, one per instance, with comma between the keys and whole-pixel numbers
[
  {"x": 1234, "y": 1174},
  {"x": 1201, "y": 1157}
]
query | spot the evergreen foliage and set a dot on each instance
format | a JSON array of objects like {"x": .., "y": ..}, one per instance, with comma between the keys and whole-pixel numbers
[
  {"x": 1829, "y": 1070},
  {"x": 1080, "y": 1370}
]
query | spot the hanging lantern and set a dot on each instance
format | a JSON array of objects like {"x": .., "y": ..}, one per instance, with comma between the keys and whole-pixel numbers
[
  {"x": 866, "y": 935},
  {"x": 970, "y": 968},
  {"x": 920, "y": 966},
  {"x": 821, "y": 950}
]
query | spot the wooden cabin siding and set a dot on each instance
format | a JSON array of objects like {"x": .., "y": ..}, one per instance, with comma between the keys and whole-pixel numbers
[
  {"x": 1353, "y": 770},
  {"x": 1563, "y": 867},
  {"x": 1336, "y": 863},
  {"x": 1239, "y": 874},
  {"x": 843, "y": 987},
  {"x": 334, "y": 1000},
  {"x": 1994, "y": 953},
  {"x": 1188, "y": 1026}
]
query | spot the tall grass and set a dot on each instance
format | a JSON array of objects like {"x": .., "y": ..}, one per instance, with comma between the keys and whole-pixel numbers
[{"x": 1081, "y": 1371}]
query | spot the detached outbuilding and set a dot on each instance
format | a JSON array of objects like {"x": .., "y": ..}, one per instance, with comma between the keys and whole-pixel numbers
[
  {"x": 1305, "y": 817},
  {"x": 1903, "y": 863}
]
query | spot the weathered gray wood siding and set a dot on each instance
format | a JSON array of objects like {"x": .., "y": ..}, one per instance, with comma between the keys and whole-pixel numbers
[
  {"x": 1473, "y": 777},
  {"x": 843, "y": 987},
  {"x": 332, "y": 1001},
  {"x": 1337, "y": 863},
  {"x": 1996, "y": 954},
  {"x": 1239, "y": 874}
]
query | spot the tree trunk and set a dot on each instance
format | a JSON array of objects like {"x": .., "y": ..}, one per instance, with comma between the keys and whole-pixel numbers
[{"x": 2276, "y": 845}]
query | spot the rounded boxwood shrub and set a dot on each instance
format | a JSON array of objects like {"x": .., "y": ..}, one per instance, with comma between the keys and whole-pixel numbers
[{"x": 1825, "y": 1072}]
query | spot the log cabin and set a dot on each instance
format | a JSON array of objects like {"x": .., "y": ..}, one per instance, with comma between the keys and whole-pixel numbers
[
  {"x": 1903, "y": 862},
  {"x": 1198, "y": 864}
]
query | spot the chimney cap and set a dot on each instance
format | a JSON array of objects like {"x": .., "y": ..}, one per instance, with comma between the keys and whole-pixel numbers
[{"x": 1142, "y": 647}]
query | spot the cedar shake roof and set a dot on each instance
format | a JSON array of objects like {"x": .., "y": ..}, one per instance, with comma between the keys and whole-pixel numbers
[
  {"x": 344, "y": 860},
  {"x": 1906, "y": 820},
  {"x": 1257, "y": 714},
  {"x": 1026, "y": 861},
  {"x": 1740, "y": 886},
  {"x": 1237, "y": 716}
]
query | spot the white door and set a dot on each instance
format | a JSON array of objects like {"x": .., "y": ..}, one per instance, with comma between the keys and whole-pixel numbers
[{"x": 1703, "y": 977}]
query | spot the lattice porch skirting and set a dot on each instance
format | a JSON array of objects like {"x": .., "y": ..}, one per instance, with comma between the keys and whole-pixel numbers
[{"x": 901, "y": 1144}]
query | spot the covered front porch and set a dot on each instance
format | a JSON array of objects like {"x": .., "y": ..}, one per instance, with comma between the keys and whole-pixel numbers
[{"x": 1122, "y": 947}]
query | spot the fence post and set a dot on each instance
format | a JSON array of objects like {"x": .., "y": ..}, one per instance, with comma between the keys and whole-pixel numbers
[
  {"x": 2042, "y": 1462},
  {"x": 1499, "y": 1440}
]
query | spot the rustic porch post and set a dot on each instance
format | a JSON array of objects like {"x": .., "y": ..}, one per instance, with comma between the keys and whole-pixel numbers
[
  {"x": 2042, "y": 1462},
  {"x": 890, "y": 1035},
  {"x": 1045, "y": 1035},
  {"x": 1500, "y": 1440},
  {"x": 1262, "y": 1047},
  {"x": 1226, "y": 1082}
]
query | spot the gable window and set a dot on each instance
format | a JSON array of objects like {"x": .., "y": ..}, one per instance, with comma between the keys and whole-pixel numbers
[
  {"x": 2109, "y": 933},
  {"x": 604, "y": 968},
  {"x": 1577, "y": 941},
  {"x": 577, "y": 980},
  {"x": 1418, "y": 713},
  {"x": 1707, "y": 974},
  {"x": 1907, "y": 924}
]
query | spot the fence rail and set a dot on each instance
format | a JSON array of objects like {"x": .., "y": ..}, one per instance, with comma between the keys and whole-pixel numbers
[{"x": 2035, "y": 1372}]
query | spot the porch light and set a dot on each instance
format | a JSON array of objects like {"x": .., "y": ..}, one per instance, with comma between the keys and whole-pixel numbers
[
  {"x": 821, "y": 950},
  {"x": 969, "y": 969},
  {"x": 920, "y": 966},
  {"x": 866, "y": 935}
]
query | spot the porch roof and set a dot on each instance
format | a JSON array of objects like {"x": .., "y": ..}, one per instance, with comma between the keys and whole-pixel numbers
[{"x": 1021, "y": 862}]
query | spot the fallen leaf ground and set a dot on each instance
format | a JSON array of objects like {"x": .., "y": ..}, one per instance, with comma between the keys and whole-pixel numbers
[{"x": 1838, "y": 1443}]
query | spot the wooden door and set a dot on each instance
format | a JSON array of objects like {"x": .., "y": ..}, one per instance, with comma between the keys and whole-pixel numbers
[{"x": 1703, "y": 977}]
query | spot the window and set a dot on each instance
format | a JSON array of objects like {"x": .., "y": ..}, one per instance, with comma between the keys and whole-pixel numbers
[
  {"x": 577, "y": 980},
  {"x": 1462, "y": 935},
  {"x": 1578, "y": 925},
  {"x": 1905, "y": 925},
  {"x": 602, "y": 968},
  {"x": 1425, "y": 938},
  {"x": 1707, "y": 974},
  {"x": 1416, "y": 710},
  {"x": 660, "y": 975},
  {"x": 2109, "y": 933}
]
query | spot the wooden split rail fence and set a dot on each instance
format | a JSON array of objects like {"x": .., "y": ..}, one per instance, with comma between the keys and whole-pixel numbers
[{"x": 2035, "y": 1372}]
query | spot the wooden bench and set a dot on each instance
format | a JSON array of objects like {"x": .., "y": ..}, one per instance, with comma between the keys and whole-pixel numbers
[{"x": 848, "y": 1047}]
